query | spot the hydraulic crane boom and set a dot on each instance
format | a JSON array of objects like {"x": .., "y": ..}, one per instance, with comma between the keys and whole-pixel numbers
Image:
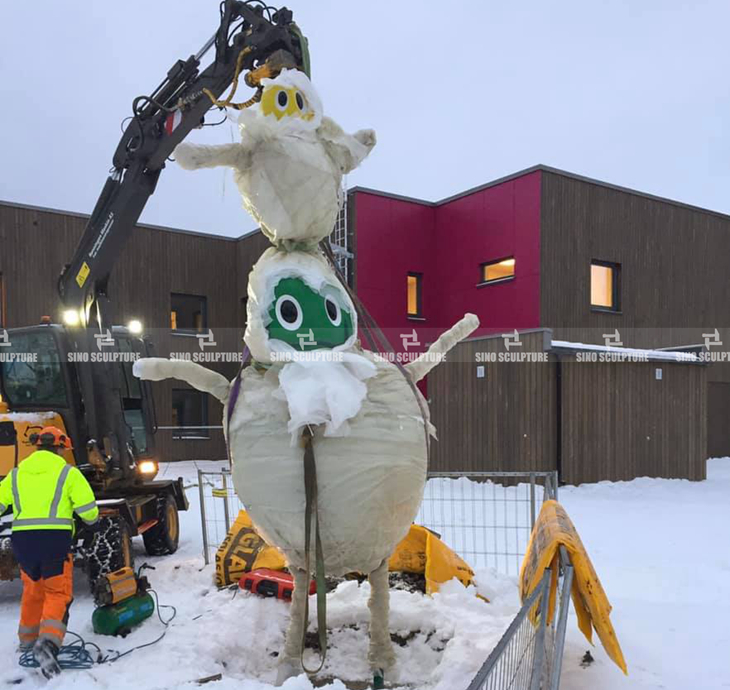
[{"x": 251, "y": 37}]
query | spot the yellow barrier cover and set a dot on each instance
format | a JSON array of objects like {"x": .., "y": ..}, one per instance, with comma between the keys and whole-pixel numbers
[
  {"x": 421, "y": 552},
  {"x": 552, "y": 529}
]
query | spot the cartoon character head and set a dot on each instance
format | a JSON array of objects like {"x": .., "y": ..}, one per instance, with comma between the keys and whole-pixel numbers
[
  {"x": 288, "y": 103},
  {"x": 297, "y": 304}
]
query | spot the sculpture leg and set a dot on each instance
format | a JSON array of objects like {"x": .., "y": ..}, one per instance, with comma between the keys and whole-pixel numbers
[
  {"x": 290, "y": 664},
  {"x": 381, "y": 655}
]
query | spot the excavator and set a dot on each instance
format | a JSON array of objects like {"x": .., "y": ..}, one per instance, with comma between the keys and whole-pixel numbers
[{"x": 77, "y": 375}]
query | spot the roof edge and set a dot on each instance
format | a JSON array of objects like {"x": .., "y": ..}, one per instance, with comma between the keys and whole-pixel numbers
[{"x": 147, "y": 226}]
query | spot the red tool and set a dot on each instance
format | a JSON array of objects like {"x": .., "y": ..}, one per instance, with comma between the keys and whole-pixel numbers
[{"x": 271, "y": 583}]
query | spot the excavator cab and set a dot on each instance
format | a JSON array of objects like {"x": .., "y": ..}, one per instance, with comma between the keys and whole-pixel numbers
[
  {"x": 41, "y": 384},
  {"x": 81, "y": 382}
]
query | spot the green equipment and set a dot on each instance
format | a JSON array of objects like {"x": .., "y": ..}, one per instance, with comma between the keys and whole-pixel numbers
[
  {"x": 123, "y": 602},
  {"x": 119, "y": 619}
]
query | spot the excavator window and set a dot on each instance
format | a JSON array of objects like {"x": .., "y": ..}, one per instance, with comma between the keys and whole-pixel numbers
[
  {"x": 132, "y": 399},
  {"x": 31, "y": 371}
]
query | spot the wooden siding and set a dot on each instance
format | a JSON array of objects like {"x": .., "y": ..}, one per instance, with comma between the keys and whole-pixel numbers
[
  {"x": 504, "y": 421},
  {"x": 35, "y": 244},
  {"x": 620, "y": 422},
  {"x": 617, "y": 420},
  {"x": 674, "y": 278}
]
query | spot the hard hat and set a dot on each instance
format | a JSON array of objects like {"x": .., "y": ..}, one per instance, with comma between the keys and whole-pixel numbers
[{"x": 51, "y": 437}]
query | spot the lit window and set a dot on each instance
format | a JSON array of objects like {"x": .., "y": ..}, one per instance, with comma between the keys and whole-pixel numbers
[
  {"x": 414, "y": 294},
  {"x": 189, "y": 414},
  {"x": 605, "y": 285},
  {"x": 188, "y": 313},
  {"x": 495, "y": 271}
]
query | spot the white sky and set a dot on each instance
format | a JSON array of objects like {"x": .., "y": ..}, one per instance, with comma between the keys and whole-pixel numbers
[{"x": 461, "y": 92}]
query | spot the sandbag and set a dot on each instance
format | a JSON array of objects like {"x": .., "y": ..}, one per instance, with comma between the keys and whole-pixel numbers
[
  {"x": 244, "y": 550},
  {"x": 420, "y": 552}
]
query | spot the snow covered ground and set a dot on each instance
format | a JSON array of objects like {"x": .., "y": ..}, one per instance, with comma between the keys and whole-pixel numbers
[{"x": 659, "y": 546}]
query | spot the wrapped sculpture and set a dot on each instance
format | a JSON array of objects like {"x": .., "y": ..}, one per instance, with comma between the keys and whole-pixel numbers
[{"x": 311, "y": 387}]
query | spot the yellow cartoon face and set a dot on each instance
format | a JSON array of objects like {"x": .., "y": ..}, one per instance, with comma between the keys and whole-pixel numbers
[{"x": 286, "y": 101}]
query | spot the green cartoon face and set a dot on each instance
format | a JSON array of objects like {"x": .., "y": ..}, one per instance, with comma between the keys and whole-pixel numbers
[{"x": 308, "y": 320}]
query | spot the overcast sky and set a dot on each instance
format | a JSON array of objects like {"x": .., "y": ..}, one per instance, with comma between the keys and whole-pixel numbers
[{"x": 631, "y": 92}]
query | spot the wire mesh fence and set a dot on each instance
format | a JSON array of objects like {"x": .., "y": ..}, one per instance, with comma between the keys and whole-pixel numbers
[
  {"x": 529, "y": 655},
  {"x": 219, "y": 506},
  {"x": 486, "y": 517}
]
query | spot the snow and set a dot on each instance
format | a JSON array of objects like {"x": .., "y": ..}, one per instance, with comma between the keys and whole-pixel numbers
[
  {"x": 629, "y": 352},
  {"x": 658, "y": 545},
  {"x": 448, "y": 636}
]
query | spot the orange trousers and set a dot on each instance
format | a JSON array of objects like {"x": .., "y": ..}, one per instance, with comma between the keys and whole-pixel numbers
[{"x": 44, "y": 605}]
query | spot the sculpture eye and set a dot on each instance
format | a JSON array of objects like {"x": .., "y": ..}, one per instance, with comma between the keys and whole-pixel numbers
[
  {"x": 334, "y": 312},
  {"x": 289, "y": 312},
  {"x": 282, "y": 99},
  {"x": 300, "y": 101}
]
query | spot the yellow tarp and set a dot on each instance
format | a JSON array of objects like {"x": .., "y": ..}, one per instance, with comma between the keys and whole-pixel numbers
[
  {"x": 244, "y": 550},
  {"x": 421, "y": 552},
  {"x": 553, "y": 528}
]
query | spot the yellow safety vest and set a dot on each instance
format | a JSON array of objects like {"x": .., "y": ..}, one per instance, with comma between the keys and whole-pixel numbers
[{"x": 45, "y": 491}]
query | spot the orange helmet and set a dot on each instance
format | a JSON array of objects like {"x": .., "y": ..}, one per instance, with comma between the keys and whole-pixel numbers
[{"x": 51, "y": 437}]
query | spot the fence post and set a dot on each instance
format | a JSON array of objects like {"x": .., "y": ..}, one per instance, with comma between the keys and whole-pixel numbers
[
  {"x": 202, "y": 517},
  {"x": 539, "y": 658},
  {"x": 557, "y": 662},
  {"x": 226, "y": 513},
  {"x": 532, "y": 501}
]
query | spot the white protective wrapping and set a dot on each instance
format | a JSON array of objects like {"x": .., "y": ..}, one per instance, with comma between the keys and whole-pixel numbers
[
  {"x": 370, "y": 482},
  {"x": 288, "y": 169}
]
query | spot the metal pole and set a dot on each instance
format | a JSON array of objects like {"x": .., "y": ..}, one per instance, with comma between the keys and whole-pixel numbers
[
  {"x": 562, "y": 620},
  {"x": 532, "y": 501},
  {"x": 202, "y": 517},
  {"x": 555, "y": 485},
  {"x": 539, "y": 658},
  {"x": 226, "y": 512}
]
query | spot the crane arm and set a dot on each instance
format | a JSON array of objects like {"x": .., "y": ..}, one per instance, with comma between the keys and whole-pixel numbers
[{"x": 251, "y": 37}]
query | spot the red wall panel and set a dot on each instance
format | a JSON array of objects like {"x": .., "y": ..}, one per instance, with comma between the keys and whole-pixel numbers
[{"x": 448, "y": 243}]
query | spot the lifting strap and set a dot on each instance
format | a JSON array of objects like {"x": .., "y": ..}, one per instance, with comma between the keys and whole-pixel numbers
[{"x": 311, "y": 511}]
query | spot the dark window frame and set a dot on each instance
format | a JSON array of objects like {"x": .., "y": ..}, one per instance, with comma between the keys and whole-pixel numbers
[
  {"x": 418, "y": 316},
  {"x": 190, "y": 331},
  {"x": 495, "y": 281},
  {"x": 197, "y": 434},
  {"x": 615, "y": 267}
]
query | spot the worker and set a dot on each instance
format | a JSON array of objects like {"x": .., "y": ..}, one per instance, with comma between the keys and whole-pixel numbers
[{"x": 45, "y": 492}]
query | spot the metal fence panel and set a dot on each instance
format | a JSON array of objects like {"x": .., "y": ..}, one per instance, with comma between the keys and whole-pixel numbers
[{"x": 486, "y": 517}]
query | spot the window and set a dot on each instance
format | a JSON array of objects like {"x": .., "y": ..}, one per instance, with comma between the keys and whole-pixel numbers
[
  {"x": 188, "y": 313},
  {"x": 31, "y": 371},
  {"x": 189, "y": 414},
  {"x": 605, "y": 286},
  {"x": 414, "y": 281},
  {"x": 497, "y": 271}
]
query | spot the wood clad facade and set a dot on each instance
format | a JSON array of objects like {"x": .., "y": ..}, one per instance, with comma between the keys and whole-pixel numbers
[
  {"x": 504, "y": 420},
  {"x": 36, "y": 243},
  {"x": 591, "y": 421}
]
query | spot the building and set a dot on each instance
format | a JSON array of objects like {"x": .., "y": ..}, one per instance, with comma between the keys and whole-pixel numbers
[{"x": 539, "y": 249}]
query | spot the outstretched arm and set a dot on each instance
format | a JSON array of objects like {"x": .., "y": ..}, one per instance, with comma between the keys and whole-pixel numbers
[
  {"x": 195, "y": 156},
  {"x": 205, "y": 380},
  {"x": 446, "y": 341},
  {"x": 347, "y": 150}
]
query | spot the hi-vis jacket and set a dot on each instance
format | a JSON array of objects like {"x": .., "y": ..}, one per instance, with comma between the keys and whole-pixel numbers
[{"x": 45, "y": 491}]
